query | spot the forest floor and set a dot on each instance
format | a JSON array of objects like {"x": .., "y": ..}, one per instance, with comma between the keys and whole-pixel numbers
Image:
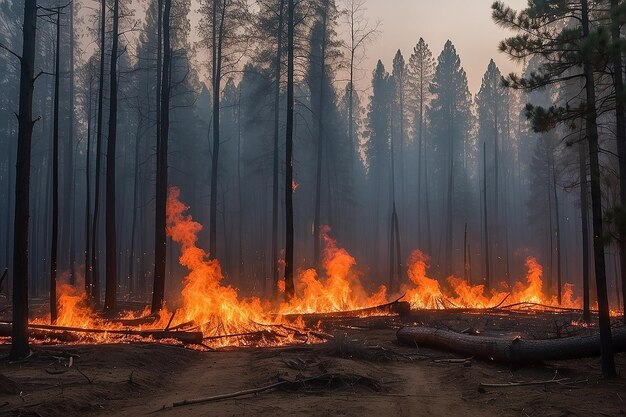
[{"x": 371, "y": 375}]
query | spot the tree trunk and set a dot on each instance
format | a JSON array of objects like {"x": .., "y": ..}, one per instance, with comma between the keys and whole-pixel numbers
[
  {"x": 133, "y": 227},
  {"x": 240, "y": 258},
  {"x": 69, "y": 195},
  {"x": 160, "y": 239},
  {"x": 558, "y": 234},
  {"x": 320, "y": 146},
  {"x": 584, "y": 215},
  {"x": 88, "y": 282},
  {"x": 608, "y": 361},
  {"x": 55, "y": 176},
  {"x": 620, "y": 134},
  {"x": 275, "y": 201},
  {"x": 19, "y": 336},
  {"x": 487, "y": 264},
  {"x": 110, "y": 299},
  {"x": 289, "y": 267},
  {"x": 94, "y": 294},
  {"x": 218, "y": 35}
]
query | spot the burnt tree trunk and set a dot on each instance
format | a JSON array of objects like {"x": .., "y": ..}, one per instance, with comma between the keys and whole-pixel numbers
[
  {"x": 584, "y": 215},
  {"x": 19, "y": 335},
  {"x": 608, "y": 361},
  {"x": 289, "y": 267},
  {"x": 160, "y": 241},
  {"x": 559, "y": 289},
  {"x": 515, "y": 351},
  {"x": 110, "y": 298},
  {"x": 320, "y": 145},
  {"x": 94, "y": 294},
  {"x": 217, "y": 38},
  {"x": 275, "y": 201},
  {"x": 620, "y": 134},
  {"x": 88, "y": 196},
  {"x": 69, "y": 183},
  {"x": 54, "y": 249},
  {"x": 487, "y": 265}
]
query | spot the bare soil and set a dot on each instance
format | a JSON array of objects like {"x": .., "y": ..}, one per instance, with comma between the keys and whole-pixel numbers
[{"x": 362, "y": 372}]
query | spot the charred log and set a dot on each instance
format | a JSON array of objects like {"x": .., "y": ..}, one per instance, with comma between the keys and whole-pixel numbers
[
  {"x": 510, "y": 350},
  {"x": 42, "y": 330}
]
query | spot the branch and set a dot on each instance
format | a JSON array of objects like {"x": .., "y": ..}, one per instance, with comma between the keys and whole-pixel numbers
[{"x": 2, "y": 46}]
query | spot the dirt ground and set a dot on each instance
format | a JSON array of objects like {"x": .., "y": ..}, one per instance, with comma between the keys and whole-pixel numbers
[{"x": 362, "y": 372}]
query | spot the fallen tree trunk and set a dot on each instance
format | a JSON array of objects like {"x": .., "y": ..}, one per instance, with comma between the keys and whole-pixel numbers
[
  {"x": 190, "y": 338},
  {"x": 510, "y": 350},
  {"x": 398, "y": 307}
]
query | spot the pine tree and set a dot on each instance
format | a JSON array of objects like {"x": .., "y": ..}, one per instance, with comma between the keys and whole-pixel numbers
[
  {"x": 420, "y": 72},
  {"x": 492, "y": 103},
  {"x": 570, "y": 50},
  {"x": 450, "y": 116},
  {"x": 377, "y": 150}
]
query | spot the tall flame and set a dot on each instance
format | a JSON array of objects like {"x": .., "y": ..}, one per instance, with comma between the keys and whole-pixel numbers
[
  {"x": 428, "y": 293},
  {"x": 340, "y": 290}
]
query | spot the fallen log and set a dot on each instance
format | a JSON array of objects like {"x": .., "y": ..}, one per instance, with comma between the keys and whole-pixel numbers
[
  {"x": 510, "y": 350},
  {"x": 189, "y": 338},
  {"x": 138, "y": 321},
  {"x": 398, "y": 307}
]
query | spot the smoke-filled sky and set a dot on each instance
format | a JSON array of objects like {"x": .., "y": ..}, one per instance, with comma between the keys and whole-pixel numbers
[{"x": 467, "y": 23}]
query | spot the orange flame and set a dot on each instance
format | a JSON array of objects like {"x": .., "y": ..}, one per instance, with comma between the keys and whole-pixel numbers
[
  {"x": 340, "y": 290},
  {"x": 428, "y": 293}
]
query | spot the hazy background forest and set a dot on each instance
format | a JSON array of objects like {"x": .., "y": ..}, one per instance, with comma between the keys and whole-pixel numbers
[{"x": 405, "y": 138}]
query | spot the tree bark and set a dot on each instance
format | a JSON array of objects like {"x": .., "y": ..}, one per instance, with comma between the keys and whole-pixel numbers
[
  {"x": 320, "y": 144},
  {"x": 218, "y": 35},
  {"x": 559, "y": 289},
  {"x": 69, "y": 195},
  {"x": 88, "y": 281},
  {"x": 620, "y": 134},
  {"x": 160, "y": 241},
  {"x": 608, "y": 361},
  {"x": 487, "y": 261},
  {"x": 55, "y": 176},
  {"x": 584, "y": 215},
  {"x": 19, "y": 335},
  {"x": 110, "y": 299},
  {"x": 289, "y": 238},
  {"x": 275, "y": 201},
  {"x": 509, "y": 350},
  {"x": 94, "y": 294}
]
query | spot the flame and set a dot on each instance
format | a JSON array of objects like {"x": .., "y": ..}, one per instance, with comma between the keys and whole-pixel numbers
[
  {"x": 341, "y": 288},
  {"x": 205, "y": 300},
  {"x": 428, "y": 293},
  {"x": 206, "y": 303}
]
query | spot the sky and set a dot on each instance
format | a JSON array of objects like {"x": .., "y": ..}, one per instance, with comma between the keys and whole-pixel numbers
[{"x": 467, "y": 23}]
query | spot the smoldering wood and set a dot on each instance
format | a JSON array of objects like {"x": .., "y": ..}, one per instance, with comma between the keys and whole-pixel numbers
[
  {"x": 508, "y": 350},
  {"x": 397, "y": 307},
  {"x": 49, "y": 331}
]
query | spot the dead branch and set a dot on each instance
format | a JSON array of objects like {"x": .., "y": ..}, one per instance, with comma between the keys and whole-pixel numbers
[
  {"x": 398, "y": 307},
  {"x": 521, "y": 384},
  {"x": 229, "y": 395},
  {"x": 182, "y": 336}
]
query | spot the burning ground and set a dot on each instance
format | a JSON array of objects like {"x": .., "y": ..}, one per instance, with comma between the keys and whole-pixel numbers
[
  {"x": 335, "y": 342},
  {"x": 361, "y": 371}
]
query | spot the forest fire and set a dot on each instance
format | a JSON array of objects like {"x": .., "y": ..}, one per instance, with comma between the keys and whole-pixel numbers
[
  {"x": 226, "y": 319},
  {"x": 458, "y": 293}
]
